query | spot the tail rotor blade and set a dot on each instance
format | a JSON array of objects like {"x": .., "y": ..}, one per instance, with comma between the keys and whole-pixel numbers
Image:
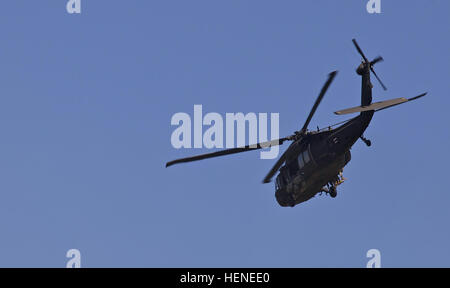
[
  {"x": 359, "y": 50},
  {"x": 378, "y": 78},
  {"x": 376, "y": 60}
]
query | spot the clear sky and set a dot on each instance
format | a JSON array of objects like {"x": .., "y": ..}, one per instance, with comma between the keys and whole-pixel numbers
[{"x": 85, "y": 108}]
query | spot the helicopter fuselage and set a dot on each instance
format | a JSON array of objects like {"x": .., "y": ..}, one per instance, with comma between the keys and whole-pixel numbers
[{"x": 316, "y": 160}]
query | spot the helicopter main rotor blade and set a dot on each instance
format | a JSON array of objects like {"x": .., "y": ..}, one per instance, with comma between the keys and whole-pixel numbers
[
  {"x": 230, "y": 151},
  {"x": 275, "y": 167},
  {"x": 281, "y": 160},
  {"x": 359, "y": 50},
  {"x": 319, "y": 98}
]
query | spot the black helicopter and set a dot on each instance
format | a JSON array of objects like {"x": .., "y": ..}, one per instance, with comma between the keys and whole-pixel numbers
[{"x": 314, "y": 161}]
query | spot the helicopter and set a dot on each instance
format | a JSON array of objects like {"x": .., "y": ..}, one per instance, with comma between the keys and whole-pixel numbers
[{"x": 314, "y": 161}]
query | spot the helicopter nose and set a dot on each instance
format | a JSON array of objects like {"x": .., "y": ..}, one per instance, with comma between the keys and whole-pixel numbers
[{"x": 283, "y": 198}]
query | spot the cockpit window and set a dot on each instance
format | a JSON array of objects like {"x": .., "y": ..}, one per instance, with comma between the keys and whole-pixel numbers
[
  {"x": 301, "y": 163},
  {"x": 303, "y": 158},
  {"x": 306, "y": 156},
  {"x": 281, "y": 179}
]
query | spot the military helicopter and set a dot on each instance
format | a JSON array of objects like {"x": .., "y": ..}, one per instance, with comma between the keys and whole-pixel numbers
[{"x": 314, "y": 161}]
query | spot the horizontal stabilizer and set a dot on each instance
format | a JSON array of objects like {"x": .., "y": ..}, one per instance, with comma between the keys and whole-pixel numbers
[{"x": 377, "y": 106}]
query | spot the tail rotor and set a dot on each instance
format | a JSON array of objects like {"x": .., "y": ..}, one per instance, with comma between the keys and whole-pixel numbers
[{"x": 370, "y": 63}]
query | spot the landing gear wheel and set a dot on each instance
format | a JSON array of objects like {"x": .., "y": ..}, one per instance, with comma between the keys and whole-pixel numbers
[{"x": 333, "y": 192}]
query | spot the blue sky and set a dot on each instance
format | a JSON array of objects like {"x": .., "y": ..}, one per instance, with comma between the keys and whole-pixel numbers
[{"x": 85, "y": 108}]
